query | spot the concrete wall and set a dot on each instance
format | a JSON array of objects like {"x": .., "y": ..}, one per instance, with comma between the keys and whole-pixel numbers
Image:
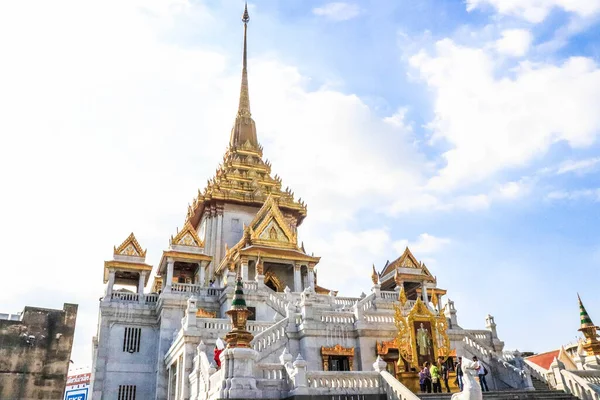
[{"x": 35, "y": 353}]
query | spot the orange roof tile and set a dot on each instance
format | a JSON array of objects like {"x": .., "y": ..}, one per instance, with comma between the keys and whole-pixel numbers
[{"x": 544, "y": 359}]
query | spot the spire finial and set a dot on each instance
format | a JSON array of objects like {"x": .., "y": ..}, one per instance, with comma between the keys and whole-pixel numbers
[
  {"x": 591, "y": 345},
  {"x": 245, "y": 16},
  {"x": 244, "y": 129}
]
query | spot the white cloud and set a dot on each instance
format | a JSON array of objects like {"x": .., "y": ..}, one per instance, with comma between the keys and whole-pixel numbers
[
  {"x": 573, "y": 195},
  {"x": 338, "y": 11},
  {"x": 579, "y": 166},
  {"x": 537, "y": 10},
  {"x": 493, "y": 123},
  {"x": 514, "y": 42},
  {"x": 425, "y": 244}
]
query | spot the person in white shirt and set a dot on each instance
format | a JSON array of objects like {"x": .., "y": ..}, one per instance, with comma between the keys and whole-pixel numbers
[{"x": 481, "y": 373}]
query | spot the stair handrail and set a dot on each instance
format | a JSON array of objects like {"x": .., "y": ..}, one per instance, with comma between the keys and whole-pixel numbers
[
  {"x": 537, "y": 372},
  {"x": 579, "y": 387},
  {"x": 363, "y": 302},
  {"x": 394, "y": 389},
  {"x": 258, "y": 339}
]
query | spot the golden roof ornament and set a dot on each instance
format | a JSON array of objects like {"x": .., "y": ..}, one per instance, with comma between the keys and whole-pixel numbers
[
  {"x": 402, "y": 296},
  {"x": 243, "y": 133},
  {"x": 397, "y": 278},
  {"x": 374, "y": 276}
]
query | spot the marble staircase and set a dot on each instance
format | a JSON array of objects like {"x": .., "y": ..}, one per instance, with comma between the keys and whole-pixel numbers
[{"x": 510, "y": 395}]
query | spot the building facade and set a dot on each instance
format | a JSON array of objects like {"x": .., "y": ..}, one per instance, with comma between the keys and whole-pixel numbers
[
  {"x": 35, "y": 351},
  {"x": 304, "y": 339}
]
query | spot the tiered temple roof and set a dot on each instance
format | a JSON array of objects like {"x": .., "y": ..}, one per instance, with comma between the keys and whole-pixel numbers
[{"x": 244, "y": 177}]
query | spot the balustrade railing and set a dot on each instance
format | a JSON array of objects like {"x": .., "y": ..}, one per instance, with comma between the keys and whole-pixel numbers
[
  {"x": 389, "y": 319},
  {"x": 197, "y": 290},
  {"x": 222, "y": 325},
  {"x": 270, "y": 337},
  {"x": 277, "y": 303},
  {"x": 185, "y": 288},
  {"x": 250, "y": 285},
  {"x": 387, "y": 295},
  {"x": 272, "y": 371},
  {"x": 150, "y": 298},
  {"x": 367, "y": 303},
  {"x": 578, "y": 384},
  {"x": 395, "y": 390},
  {"x": 338, "y": 318},
  {"x": 124, "y": 296},
  {"x": 345, "y": 301},
  {"x": 332, "y": 381}
]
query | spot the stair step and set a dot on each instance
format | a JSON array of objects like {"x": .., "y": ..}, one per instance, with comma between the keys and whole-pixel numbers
[{"x": 509, "y": 395}]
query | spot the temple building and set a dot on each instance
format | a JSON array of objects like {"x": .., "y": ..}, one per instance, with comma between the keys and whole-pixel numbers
[
  {"x": 237, "y": 273},
  {"x": 574, "y": 368}
]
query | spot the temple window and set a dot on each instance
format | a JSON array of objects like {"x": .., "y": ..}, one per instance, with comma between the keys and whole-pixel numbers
[{"x": 337, "y": 358}]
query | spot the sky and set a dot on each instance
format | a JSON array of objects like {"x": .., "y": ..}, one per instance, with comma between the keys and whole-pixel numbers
[{"x": 466, "y": 130}]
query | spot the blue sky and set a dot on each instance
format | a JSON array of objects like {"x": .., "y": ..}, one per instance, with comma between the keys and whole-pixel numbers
[{"x": 465, "y": 130}]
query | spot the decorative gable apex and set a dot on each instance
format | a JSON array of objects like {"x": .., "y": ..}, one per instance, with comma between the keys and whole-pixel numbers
[
  {"x": 130, "y": 247},
  {"x": 269, "y": 227},
  {"x": 187, "y": 237},
  {"x": 406, "y": 261}
]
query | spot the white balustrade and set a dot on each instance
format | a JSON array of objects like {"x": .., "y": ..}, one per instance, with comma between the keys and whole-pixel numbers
[
  {"x": 395, "y": 390},
  {"x": 272, "y": 371},
  {"x": 582, "y": 384},
  {"x": 124, "y": 296},
  {"x": 367, "y": 303},
  {"x": 185, "y": 288},
  {"x": 388, "y": 295},
  {"x": 270, "y": 337},
  {"x": 150, "y": 298},
  {"x": 388, "y": 319},
  {"x": 222, "y": 325},
  {"x": 345, "y": 301},
  {"x": 277, "y": 303},
  {"x": 338, "y": 318},
  {"x": 250, "y": 285},
  {"x": 344, "y": 382}
]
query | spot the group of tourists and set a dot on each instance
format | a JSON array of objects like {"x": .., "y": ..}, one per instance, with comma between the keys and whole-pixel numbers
[{"x": 431, "y": 376}]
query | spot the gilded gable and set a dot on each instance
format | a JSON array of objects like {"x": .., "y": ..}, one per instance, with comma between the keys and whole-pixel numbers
[{"x": 130, "y": 247}]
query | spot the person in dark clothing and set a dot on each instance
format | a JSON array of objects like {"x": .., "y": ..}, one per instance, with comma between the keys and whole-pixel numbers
[
  {"x": 444, "y": 374},
  {"x": 459, "y": 374},
  {"x": 425, "y": 379}
]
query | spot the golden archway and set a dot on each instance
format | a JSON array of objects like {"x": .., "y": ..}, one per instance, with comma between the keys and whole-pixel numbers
[{"x": 270, "y": 277}]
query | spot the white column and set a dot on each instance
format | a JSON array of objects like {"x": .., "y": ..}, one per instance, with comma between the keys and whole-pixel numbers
[
  {"x": 213, "y": 243},
  {"x": 297, "y": 278},
  {"x": 177, "y": 379},
  {"x": 109, "y": 286},
  {"x": 202, "y": 275},
  {"x": 244, "y": 267},
  {"x": 218, "y": 249},
  {"x": 425, "y": 295},
  {"x": 169, "y": 278},
  {"x": 169, "y": 380},
  {"x": 311, "y": 277},
  {"x": 141, "y": 285}
]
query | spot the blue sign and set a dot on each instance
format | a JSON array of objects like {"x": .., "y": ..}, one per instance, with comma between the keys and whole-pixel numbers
[{"x": 77, "y": 394}]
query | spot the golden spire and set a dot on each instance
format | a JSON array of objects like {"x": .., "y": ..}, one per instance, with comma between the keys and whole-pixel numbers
[
  {"x": 244, "y": 129},
  {"x": 589, "y": 330}
]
